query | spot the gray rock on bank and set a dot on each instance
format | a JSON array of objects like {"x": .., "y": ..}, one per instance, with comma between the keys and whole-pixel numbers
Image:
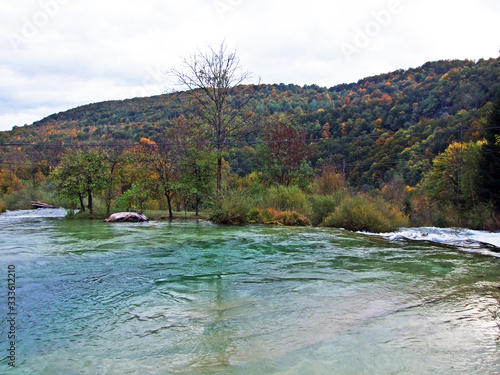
[{"x": 128, "y": 217}]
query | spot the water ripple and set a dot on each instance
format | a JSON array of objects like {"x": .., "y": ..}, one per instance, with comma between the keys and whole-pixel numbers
[{"x": 199, "y": 298}]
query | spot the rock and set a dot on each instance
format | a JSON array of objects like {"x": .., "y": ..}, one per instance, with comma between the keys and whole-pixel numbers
[{"x": 129, "y": 217}]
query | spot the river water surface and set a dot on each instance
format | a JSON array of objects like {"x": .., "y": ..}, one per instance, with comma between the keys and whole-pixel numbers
[{"x": 196, "y": 298}]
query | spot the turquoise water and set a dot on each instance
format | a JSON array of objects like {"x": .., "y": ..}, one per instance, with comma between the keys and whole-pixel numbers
[{"x": 196, "y": 298}]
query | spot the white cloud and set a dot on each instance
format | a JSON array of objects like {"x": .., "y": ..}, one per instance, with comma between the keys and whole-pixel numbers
[{"x": 58, "y": 54}]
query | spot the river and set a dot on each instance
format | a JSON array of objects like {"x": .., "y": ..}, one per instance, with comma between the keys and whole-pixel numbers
[{"x": 196, "y": 298}]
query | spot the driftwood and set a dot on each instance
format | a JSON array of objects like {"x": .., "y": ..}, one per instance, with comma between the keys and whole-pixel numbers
[
  {"x": 128, "y": 217},
  {"x": 41, "y": 205}
]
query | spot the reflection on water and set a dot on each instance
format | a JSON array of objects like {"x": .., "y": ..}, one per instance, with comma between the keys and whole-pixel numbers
[{"x": 195, "y": 298}]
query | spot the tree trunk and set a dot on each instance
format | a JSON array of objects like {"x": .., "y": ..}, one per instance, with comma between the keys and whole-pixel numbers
[
  {"x": 196, "y": 205},
  {"x": 169, "y": 200},
  {"x": 82, "y": 204},
  {"x": 219, "y": 175},
  {"x": 91, "y": 204},
  {"x": 109, "y": 193}
]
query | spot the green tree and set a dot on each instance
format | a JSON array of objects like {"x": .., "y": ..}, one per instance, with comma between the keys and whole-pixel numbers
[
  {"x": 196, "y": 164},
  {"x": 135, "y": 197},
  {"x": 81, "y": 174},
  {"x": 197, "y": 182},
  {"x": 454, "y": 176}
]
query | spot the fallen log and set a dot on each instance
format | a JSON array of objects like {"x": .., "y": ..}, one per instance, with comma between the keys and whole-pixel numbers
[
  {"x": 41, "y": 205},
  {"x": 127, "y": 217}
]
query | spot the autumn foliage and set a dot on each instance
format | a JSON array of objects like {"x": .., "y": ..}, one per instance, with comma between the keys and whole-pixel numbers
[{"x": 417, "y": 144}]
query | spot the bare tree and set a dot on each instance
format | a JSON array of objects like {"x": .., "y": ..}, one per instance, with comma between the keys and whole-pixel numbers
[{"x": 211, "y": 77}]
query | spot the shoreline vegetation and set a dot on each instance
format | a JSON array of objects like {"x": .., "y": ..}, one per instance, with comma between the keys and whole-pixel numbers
[
  {"x": 451, "y": 193},
  {"x": 249, "y": 202},
  {"x": 417, "y": 147}
]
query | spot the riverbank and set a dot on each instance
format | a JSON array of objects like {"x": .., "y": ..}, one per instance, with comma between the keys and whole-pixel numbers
[
  {"x": 157, "y": 215},
  {"x": 290, "y": 206},
  {"x": 323, "y": 204}
]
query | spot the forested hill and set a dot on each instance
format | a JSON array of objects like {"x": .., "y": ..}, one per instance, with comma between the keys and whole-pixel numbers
[{"x": 394, "y": 122}]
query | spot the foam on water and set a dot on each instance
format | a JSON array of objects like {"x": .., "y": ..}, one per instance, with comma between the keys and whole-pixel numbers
[
  {"x": 484, "y": 242},
  {"x": 10, "y": 216}
]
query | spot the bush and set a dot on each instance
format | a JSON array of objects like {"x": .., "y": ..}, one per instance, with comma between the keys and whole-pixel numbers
[
  {"x": 482, "y": 216},
  {"x": 254, "y": 216},
  {"x": 272, "y": 216},
  {"x": 18, "y": 200},
  {"x": 324, "y": 205},
  {"x": 153, "y": 204},
  {"x": 251, "y": 185},
  {"x": 328, "y": 182},
  {"x": 421, "y": 211},
  {"x": 361, "y": 213},
  {"x": 269, "y": 216},
  {"x": 70, "y": 214},
  {"x": 21, "y": 200},
  {"x": 293, "y": 218},
  {"x": 288, "y": 198},
  {"x": 3, "y": 206},
  {"x": 233, "y": 208}
]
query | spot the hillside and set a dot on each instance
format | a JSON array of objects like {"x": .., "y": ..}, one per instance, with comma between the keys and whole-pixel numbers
[{"x": 390, "y": 123}]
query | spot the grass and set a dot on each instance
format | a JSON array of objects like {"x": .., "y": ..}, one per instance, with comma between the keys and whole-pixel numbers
[{"x": 177, "y": 215}]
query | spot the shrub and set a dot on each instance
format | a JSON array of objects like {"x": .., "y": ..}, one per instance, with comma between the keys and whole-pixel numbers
[
  {"x": 269, "y": 216},
  {"x": 21, "y": 200},
  {"x": 293, "y": 218},
  {"x": 482, "y": 216},
  {"x": 9, "y": 182},
  {"x": 324, "y": 205},
  {"x": 153, "y": 204},
  {"x": 251, "y": 185},
  {"x": 254, "y": 216},
  {"x": 18, "y": 200},
  {"x": 284, "y": 198},
  {"x": 421, "y": 211},
  {"x": 233, "y": 208},
  {"x": 3, "y": 206},
  {"x": 361, "y": 213},
  {"x": 70, "y": 214},
  {"x": 328, "y": 182}
]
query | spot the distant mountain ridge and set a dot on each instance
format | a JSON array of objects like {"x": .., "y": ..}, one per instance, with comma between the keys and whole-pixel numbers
[{"x": 389, "y": 123}]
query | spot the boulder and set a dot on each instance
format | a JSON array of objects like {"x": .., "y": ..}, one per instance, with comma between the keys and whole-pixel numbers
[{"x": 129, "y": 217}]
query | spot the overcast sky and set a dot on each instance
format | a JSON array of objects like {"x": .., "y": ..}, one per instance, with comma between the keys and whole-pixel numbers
[{"x": 59, "y": 54}]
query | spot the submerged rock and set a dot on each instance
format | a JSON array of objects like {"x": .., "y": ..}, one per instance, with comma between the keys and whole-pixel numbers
[{"x": 128, "y": 217}]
